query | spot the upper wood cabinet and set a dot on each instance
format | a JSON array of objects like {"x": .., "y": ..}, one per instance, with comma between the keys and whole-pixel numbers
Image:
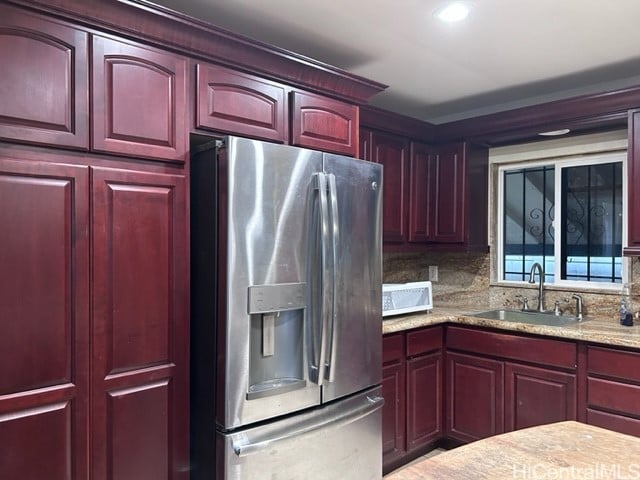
[
  {"x": 45, "y": 81},
  {"x": 422, "y": 166},
  {"x": 448, "y": 195},
  {"x": 447, "y": 184},
  {"x": 391, "y": 151},
  {"x": 324, "y": 124},
  {"x": 240, "y": 104},
  {"x": 633, "y": 176},
  {"x": 139, "y": 101}
]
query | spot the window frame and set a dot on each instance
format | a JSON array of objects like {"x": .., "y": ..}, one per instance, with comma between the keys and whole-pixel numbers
[{"x": 559, "y": 163}]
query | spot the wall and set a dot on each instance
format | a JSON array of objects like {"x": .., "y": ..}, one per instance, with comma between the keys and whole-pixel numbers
[{"x": 469, "y": 281}]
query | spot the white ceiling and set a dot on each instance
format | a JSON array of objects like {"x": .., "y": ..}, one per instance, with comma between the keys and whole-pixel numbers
[{"x": 507, "y": 54}]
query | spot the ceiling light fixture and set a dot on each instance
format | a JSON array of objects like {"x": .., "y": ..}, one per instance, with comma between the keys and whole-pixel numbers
[
  {"x": 453, "y": 12},
  {"x": 555, "y": 133}
]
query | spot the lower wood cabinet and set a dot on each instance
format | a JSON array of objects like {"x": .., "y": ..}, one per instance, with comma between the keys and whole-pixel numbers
[
  {"x": 44, "y": 320},
  {"x": 492, "y": 386},
  {"x": 475, "y": 395},
  {"x": 93, "y": 315},
  {"x": 613, "y": 389},
  {"x": 536, "y": 396},
  {"x": 412, "y": 388}
]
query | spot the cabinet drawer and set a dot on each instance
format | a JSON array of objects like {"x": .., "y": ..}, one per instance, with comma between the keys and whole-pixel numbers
[
  {"x": 614, "y": 363},
  {"x": 423, "y": 341},
  {"x": 393, "y": 348},
  {"x": 619, "y": 397},
  {"x": 543, "y": 351},
  {"x": 611, "y": 421}
]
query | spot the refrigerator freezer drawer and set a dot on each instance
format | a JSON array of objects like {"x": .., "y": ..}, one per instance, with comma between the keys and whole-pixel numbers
[{"x": 336, "y": 441}]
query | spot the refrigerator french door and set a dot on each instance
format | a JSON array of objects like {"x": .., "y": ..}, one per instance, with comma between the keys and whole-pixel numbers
[{"x": 286, "y": 250}]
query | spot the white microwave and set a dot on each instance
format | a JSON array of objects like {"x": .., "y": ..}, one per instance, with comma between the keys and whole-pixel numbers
[{"x": 410, "y": 297}]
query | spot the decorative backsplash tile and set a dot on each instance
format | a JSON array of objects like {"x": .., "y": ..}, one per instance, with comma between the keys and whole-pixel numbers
[{"x": 464, "y": 282}]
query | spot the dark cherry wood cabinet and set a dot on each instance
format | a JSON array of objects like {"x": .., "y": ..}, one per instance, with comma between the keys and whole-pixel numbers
[
  {"x": 475, "y": 397},
  {"x": 139, "y": 101},
  {"x": 394, "y": 393},
  {"x": 392, "y": 152},
  {"x": 424, "y": 387},
  {"x": 324, "y": 124},
  {"x": 500, "y": 382},
  {"x": 139, "y": 331},
  {"x": 633, "y": 180},
  {"x": 44, "y": 315},
  {"x": 535, "y": 396},
  {"x": 45, "y": 81},
  {"x": 412, "y": 387},
  {"x": 241, "y": 104},
  {"x": 447, "y": 184},
  {"x": 613, "y": 389},
  {"x": 448, "y": 191},
  {"x": 421, "y": 196}
]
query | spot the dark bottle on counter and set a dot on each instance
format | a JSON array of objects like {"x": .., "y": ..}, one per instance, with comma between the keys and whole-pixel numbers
[{"x": 626, "y": 310}]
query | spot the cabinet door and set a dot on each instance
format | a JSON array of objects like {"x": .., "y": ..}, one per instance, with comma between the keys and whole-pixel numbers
[
  {"x": 139, "y": 389},
  {"x": 139, "y": 101},
  {"x": 448, "y": 182},
  {"x": 475, "y": 397},
  {"x": 364, "y": 150},
  {"x": 633, "y": 168},
  {"x": 240, "y": 104},
  {"x": 424, "y": 399},
  {"x": 421, "y": 193},
  {"x": 392, "y": 152},
  {"x": 393, "y": 391},
  {"x": 536, "y": 396},
  {"x": 44, "y": 81},
  {"x": 324, "y": 124},
  {"x": 44, "y": 320}
]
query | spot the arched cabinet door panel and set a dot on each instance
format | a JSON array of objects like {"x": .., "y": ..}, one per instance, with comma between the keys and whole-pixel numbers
[
  {"x": 324, "y": 124},
  {"x": 44, "y": 83},
  {"x": 139, "y": 101},
  {"x": 240, "y": 104}
]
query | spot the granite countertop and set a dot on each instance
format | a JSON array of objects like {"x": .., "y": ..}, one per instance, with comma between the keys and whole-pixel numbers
[
  {"x": 594, "y": 330},
  {"x": 567, "y": 450}
]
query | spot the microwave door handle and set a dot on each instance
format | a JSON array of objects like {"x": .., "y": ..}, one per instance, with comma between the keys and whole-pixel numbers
[
  {"x": 332, "y": 302},
  {"x": 320, "y": 184}
]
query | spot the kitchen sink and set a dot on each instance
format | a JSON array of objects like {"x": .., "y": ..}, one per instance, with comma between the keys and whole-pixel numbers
[{"x": 533, "y": 318}]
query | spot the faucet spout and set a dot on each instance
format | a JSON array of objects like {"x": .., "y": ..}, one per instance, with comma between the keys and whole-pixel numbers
[
  {"x": 538, "y": 267},
  {"x": 578, "y": 300}
]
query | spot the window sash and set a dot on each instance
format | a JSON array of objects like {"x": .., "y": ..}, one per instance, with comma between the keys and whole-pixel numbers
[{"x": 559, "y": 164}]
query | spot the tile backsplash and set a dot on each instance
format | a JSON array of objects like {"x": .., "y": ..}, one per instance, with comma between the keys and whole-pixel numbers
[{"x": 464, "y": 282}]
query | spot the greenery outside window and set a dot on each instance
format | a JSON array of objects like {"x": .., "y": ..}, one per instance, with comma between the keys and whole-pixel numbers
[{"x": 566, "y": 215}]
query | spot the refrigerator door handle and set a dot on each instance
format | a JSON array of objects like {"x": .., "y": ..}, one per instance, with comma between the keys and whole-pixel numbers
[
  {"x": 255, "y": 443},
  {"x": 335, "y": 240},
  {"x": 320, "y": 184}
]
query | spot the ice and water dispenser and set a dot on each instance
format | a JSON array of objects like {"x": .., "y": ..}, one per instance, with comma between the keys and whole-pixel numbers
[{"x": 276, "y": 339}]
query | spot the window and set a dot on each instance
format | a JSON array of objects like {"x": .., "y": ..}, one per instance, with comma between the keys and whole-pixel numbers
[{"x": 565, "y": 215}]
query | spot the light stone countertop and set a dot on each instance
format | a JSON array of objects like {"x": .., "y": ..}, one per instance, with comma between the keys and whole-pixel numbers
[
  {"x": 564, "y": 450},
  {"x": 592, "y": 330}
]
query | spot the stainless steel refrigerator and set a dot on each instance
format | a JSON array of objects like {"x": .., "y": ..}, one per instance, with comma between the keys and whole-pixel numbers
[{"x": 286, "y": 313}]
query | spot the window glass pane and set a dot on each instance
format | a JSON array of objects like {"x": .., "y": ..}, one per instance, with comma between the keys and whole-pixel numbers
[
  {"x": 592, "y": 218},
  {"x": 528, "y": 228}
]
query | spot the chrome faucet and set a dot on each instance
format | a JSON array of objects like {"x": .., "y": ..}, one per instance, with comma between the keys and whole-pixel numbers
[
  {"x": 578, "y": 300},
  {"x": 532, "y": 273}
]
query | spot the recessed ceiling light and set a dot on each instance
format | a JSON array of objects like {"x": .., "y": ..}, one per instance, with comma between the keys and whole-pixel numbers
[
  {"x": 554, "y": 133},
  {"x": 453, "y": 12}
]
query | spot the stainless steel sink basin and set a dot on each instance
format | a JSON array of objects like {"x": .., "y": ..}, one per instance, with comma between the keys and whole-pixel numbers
[{"x": 533, "y": 318}]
